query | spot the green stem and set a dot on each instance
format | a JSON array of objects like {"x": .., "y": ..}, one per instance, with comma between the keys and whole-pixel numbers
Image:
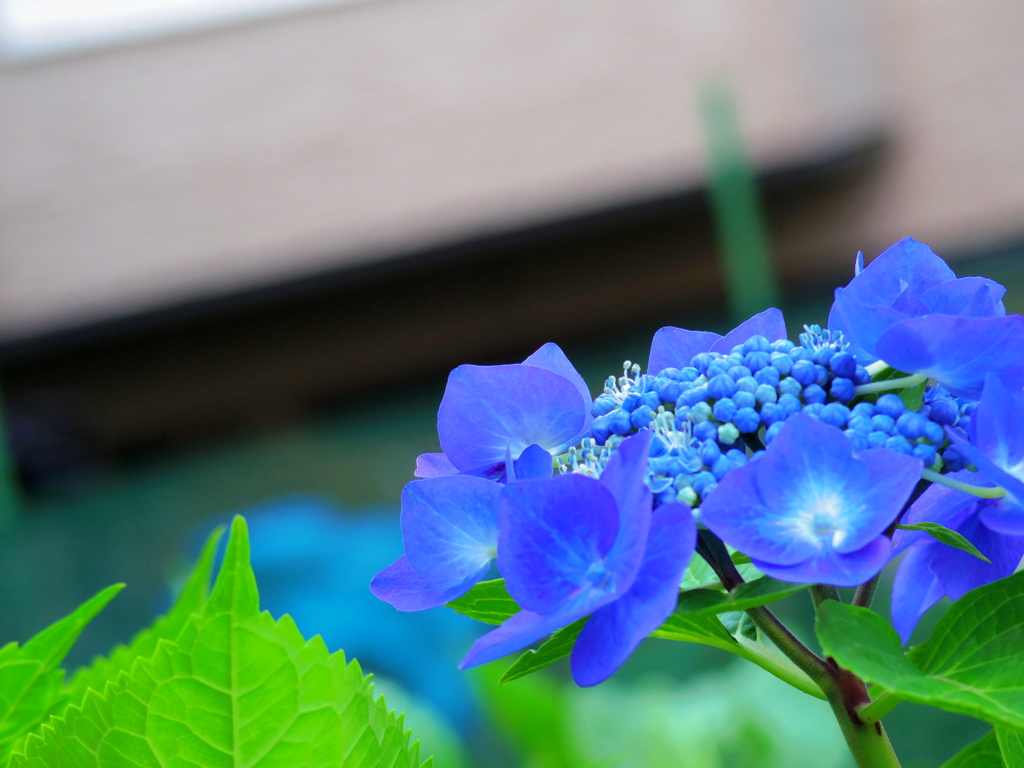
[
  {"x": 868, "y": 742},
  {"x": 866, "y": 592},
  {"x": 879, "y": 708},
  {"x": 803, "y": 657},
  {"x": 772, "y": 661},
  {"x": 903, "y": 382},
  {"x": 847, "y": 695},
  {"x": 984, "y": 492},
  {"x": 876, "y": 367},
  {"x": 845, "y": 692},
  {"x": 822, "y": 592}
]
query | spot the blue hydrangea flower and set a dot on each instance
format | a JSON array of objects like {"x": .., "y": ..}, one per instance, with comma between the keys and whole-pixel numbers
[
  {"x": 996, "y": 448},
  {"x": 931, "y": 570},
  {"x": 491, "y": 412},
  {"x": 906, "y": 280},
  {"x": 908, "y": 308},
  {"x": 574, "y": 545},
  {"x": 811, "y": 509},
  {"x": 676, "y": 347},
  {"x": 450, "y": 533}
]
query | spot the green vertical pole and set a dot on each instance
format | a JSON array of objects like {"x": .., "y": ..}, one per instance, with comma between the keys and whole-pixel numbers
[
  {"x": 10, "y": 498},
  {"x": 742, "y": 236}
]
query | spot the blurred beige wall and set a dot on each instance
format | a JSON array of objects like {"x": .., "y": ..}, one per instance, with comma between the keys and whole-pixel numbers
[{"x": 143, "y": 175}]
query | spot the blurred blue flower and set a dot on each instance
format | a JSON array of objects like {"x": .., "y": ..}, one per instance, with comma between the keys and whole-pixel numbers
[
  {"x": 490, "y": 414},
  {"x": 571, "y": 546},
  {"x": 908, "y": 308},
  {"x": 811, "y": 509},
  {"x": 676, "y": 347},
  {"x": 931, "y": 570}
]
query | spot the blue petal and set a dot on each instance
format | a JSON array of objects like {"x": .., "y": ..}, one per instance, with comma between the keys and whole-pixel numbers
[
  {"x": 615, "y": 630},
  {"x": 966, "y": 297},
  {"x": 906, "y": 266},
  {"x": 960, "y": 572},
  {"x": 915, "y": 589},
  {"x": 450, "y": 526},
  {"x": 551, "y": 357},
  {"x": 1003, "y": 515},
  {"x": 769, "y": 323},
  {"x": 883, "y": 293},
  {"x": 957, "y": 351},
  {"x": 996, "y": 426},
  {"x": 489, "y": 409},
  {"x": 862, "y": 324},
  {"x": 527, "y": 627},
  {"x": 837, "y": 568},
  {"x": 809, "y": 466},
  {"x": 911, "y": 306},
  {"x": 554, "y": 537},
  {"x": 434, "y": 465},
  {"x": 624, "y": 477},
  {"x": 1006, "y": 516},
  {"x": 736, "y": 513},
  {"x": 676, "y": 347},
  {"x": 891, "y": 479},
  {"x": 534, "y": 464},
  {"x": 401, "y": 586}
]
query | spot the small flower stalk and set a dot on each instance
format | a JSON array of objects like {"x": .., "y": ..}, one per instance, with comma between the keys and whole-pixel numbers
[{"x": 897, "y": 432}]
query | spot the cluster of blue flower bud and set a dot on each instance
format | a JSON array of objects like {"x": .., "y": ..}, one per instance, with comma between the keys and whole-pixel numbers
[{"x": 722, "y": 410}]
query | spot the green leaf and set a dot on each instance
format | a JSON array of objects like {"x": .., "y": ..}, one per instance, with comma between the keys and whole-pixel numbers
[
  {"x": 889, "y": 373},
  {"x": 1011, "y": 745},
  {"x": 699, "y": 574},
  {"x": 487, "y": 601},
  {"x": 30, "y": 677},
  {"x": 946, "y": 536},
  {"x": 913, "y": 397},
  {"x": 191, "y": 600},
  {"x": 558, "y": 646},
  {"x": 235, "y": 688},
  {"x": 707, "y": 630},
  {"x": 708, "y": 602},
  {"x": 984, "y": 753},
  {"x": 738, "y": 558},
  {"x": 972, "y": 664}
]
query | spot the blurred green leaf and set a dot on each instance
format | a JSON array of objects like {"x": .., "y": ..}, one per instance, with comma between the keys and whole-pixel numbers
[
  {"x": 972, "y": 664},
  {"x": 946, "y": 536},
  {"x": 235, "y": 688},
  {"x": 487, "y": 601},
  {"x": 1011, "y": 745},
  {"x": 30, "y": 677},
  {"x": 984, "y": 753},
  {"x": 733, "y": 717}
]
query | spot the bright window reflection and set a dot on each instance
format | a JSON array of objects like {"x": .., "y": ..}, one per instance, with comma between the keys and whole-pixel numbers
[{"x": 38, "y": 27}]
